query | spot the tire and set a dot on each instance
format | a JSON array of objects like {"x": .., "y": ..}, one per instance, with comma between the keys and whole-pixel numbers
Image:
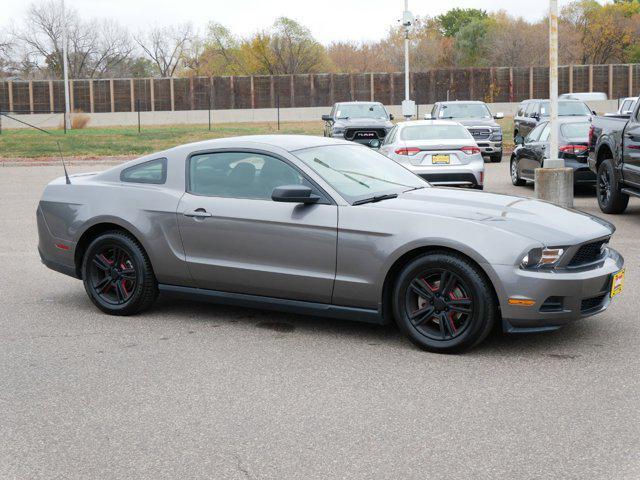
[
  {"x": 444, "y": 303},
  {"x": 496, "y": 158},
  {"x": 610, "y": 198},
  {"x": 117, "y": 274},
  {"x": 515, "y": 176},
  {"x": 478, "y": 187}
]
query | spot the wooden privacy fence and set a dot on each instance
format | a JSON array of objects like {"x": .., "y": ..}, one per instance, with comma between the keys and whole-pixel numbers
[{"x": 501, "y": 84}]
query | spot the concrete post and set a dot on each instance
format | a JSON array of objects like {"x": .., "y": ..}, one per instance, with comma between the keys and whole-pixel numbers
[
  {"x": 630, "y": 89},
  {"x": 30, "y": 96},
  {"x": 91, "y": 107}
]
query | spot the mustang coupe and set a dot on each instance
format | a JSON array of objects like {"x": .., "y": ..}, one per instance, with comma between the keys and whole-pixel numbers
[{"x": 325, "y": 227}]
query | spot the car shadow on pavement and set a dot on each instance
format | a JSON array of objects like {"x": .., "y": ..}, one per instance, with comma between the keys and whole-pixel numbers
[{"x": 560, "y": 343}]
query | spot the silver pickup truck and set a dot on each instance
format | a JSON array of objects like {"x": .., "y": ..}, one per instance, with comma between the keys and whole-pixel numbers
[{"x": 478, "y": 119}]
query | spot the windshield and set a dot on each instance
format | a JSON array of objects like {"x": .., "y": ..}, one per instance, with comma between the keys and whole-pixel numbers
[
  {"x": 357, "y": 172},
  {"x": 434, "y": 132},
  {"x": 576, "y": 131},
  {"x": 362, "y": 110},
  {"x": 465, "y": 110},
  {"x": 566, "y": 109}
]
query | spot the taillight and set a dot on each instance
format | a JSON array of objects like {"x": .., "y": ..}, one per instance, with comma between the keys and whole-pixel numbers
[
  {"x": 574, "y": 149},
  {"x": 407, "y": 151},
  {"x": 591, "y": 129},
  {"x": 470, "y": 150}
]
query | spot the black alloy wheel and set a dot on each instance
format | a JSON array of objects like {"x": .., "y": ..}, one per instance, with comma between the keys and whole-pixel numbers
[
  {"x": 444, "y": 303},
  {"x": 117, "y": 274},
  {"x": 610, "y": 198}
]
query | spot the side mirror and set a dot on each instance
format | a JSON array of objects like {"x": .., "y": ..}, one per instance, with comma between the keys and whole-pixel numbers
[
  {"x": 519, "y": 140},
  {"x": 391, "y": 116},
  {"x": 535, "y": 115},
  {"x": 294, "y": 194},
  {"x": 427, "y": 116},
  {"x": 499, "y": 116},
  {"x": 375, "y": 143},
  {"x": 327, "y": 118}
]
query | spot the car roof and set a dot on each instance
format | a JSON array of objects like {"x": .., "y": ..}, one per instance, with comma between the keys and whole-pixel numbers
[
  {"x": 428, "y": 122},
  {"x": 477, "y": 102},
  {"x": 358, "y": 102},
  {"x": 289, "y": 143}
]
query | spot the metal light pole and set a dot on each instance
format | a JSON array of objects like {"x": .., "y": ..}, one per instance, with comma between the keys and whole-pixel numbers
[
  {"x": 553, "y": 161},
  {"x": 554, "y": 182},
  {"x": 408, "y": 106},
  {"x": 65, "y": 69}
]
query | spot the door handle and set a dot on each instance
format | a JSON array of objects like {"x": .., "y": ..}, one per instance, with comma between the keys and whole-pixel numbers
[{"x": 197, "y": 213}]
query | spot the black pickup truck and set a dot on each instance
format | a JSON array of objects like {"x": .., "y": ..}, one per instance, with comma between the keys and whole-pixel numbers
[{"x": 614, "y": 155}]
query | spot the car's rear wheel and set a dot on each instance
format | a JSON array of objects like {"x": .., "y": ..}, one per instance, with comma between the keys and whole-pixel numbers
[
  {"x": 515, "y": 174},
  {"x": 117, "y": 274},
  {"x": 444, "y": 303},
  {"x": 610, "y": 198}
]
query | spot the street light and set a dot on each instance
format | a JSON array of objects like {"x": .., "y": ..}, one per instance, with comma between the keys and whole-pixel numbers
[
  {"x": 408, "y": 106},
  {"x": 65, "y": 70},
  {"x": 554, "y": 182}
]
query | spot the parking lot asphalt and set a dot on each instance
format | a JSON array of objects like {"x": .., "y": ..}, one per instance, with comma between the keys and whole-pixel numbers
[{"x": 193, "y": 390}]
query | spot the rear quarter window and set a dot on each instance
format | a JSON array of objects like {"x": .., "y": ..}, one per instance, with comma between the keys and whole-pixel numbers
[{"x": 153, "y": 171}]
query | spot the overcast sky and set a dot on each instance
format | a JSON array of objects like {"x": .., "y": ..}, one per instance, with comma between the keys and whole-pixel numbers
[{"x": 328, "y": 20}]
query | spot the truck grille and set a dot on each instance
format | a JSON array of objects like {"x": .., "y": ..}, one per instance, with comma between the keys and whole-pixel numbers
[
  {"x": 588, "y": 253},
  {"x": 479, "y": 133},
  {"x": 364, "y": 133}
]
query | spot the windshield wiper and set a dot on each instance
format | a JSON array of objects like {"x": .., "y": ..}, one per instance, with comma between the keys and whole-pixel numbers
[{"x": 377, "y": 198}]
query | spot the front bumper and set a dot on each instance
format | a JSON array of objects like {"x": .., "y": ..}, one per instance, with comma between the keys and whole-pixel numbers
[
  {"x": 490, "y": 148},
  {"x": 560, "y": 296}
]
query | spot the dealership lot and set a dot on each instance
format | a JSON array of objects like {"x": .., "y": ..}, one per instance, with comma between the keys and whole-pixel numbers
[{"x": 198, "y": 390}]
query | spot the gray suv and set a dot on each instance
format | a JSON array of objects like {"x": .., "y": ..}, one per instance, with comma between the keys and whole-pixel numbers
[
  {"x": 362, "y": 122},
  {"x": 478, "y": 119}
]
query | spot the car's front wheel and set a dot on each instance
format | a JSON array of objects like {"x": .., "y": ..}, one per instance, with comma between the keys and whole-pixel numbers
[
  {"x": 444, "y": 303},
  {"x": 117, "y": 274},
  {"x": 610, "y": 198},
  {"x": 496, "y": 158},
  {"x": 515, "y": 174}
]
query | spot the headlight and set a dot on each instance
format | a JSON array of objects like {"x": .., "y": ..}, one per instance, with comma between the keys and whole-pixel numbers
[
  {"x": 338, "y": 131},
  {"x": 496, "y": 133},
  {"x": 542, "y": 258}
]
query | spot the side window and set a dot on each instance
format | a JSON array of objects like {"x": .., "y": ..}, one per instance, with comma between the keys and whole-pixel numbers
[
  {"x": 625, "y": 106},
  {"x": 535, "y": 133},
  {"x": 240, "y": 175},
  {"x": 391, "y": 137},
  {"x": 531, "y": 109},
  {"x": 544, "y": 136},
  {"x": 521, "y": 109},
  {"x": 153, "y": 171},
  {"x": 434, "y": 111}
]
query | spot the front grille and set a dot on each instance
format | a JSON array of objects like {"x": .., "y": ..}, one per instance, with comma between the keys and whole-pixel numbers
[
  {"x": 593, "y": 303},
  {"x": 588, "y": 253},
  {"x": 480, "y": 133},
  {"x": 364, "y": 133}
]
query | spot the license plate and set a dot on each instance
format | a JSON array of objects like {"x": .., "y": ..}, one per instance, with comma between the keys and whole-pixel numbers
[
  {"x": 440, "y": 159},
  {"x": 617, "y": 283}
]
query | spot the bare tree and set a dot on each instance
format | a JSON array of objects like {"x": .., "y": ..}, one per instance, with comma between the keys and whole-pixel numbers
[
  {"x": 93, "y": 47},
  {"x": 166, "y": 46}
]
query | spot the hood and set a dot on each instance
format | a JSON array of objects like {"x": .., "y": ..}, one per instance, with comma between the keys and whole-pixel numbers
[
  {"x": 477, "y": 122},
  {"x": 363, "y": 122},
  {"x": 541, "y": 221}
]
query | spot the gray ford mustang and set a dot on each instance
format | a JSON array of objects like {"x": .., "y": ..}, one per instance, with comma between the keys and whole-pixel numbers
[{"x": 326, "y": 227}]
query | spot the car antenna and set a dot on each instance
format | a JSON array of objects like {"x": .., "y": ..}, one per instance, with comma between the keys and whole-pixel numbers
[{"x": 64, "y": 167}]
